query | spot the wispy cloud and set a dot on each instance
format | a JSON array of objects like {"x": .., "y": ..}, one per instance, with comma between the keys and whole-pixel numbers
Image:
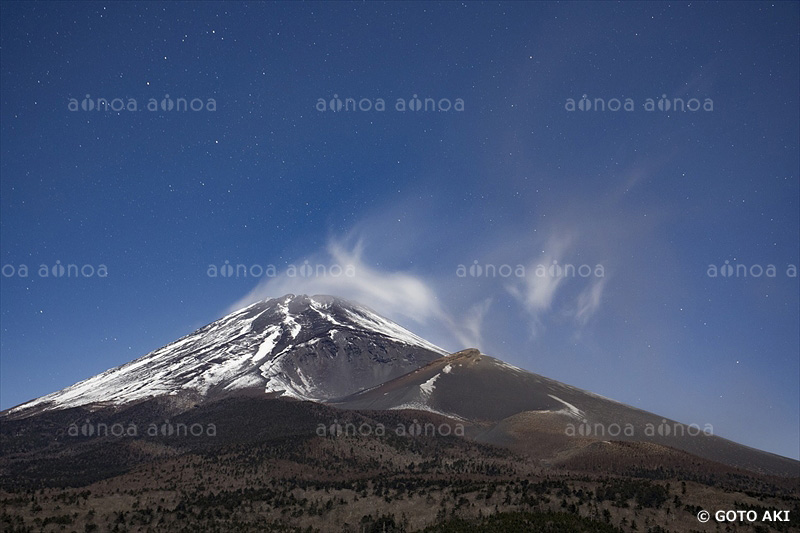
[
  {"x": 471, "y": 332},
  {"x": 401, "y": 296},
  {"x": 535, "y": 292},
  {"x": 547, "y": 280},
  {"x": 589, "y": 301}
]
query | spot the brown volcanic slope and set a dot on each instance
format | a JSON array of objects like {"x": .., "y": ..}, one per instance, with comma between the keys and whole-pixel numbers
[{"x": 545, "y": 418}]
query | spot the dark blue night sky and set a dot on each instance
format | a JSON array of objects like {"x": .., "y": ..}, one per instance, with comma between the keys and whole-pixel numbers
[{"x": 148, "y": 205}]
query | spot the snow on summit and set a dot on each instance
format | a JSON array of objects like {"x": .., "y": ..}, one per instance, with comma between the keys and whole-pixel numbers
[{"x": 310, "y": 348}]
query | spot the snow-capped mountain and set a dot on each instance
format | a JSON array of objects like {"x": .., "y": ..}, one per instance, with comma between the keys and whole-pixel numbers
[
  {"x": 310, "y": 348},
  {"x": 326, "y": 349}
]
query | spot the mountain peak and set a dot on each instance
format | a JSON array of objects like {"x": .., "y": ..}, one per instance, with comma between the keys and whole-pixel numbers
[{"x": 306, "y": 347}]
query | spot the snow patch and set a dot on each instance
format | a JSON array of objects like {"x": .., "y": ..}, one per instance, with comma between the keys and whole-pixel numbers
[
  {"x": 426, "y": 389},
  {"x": 373, "y": 322},
  {"x": 424, "y": 407},
  {"x": 268, "y": 344},
  {"x": 511, "y": 367},
  {"x": 289, "y": 321},
  {"x": 571, "y": 409}
]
